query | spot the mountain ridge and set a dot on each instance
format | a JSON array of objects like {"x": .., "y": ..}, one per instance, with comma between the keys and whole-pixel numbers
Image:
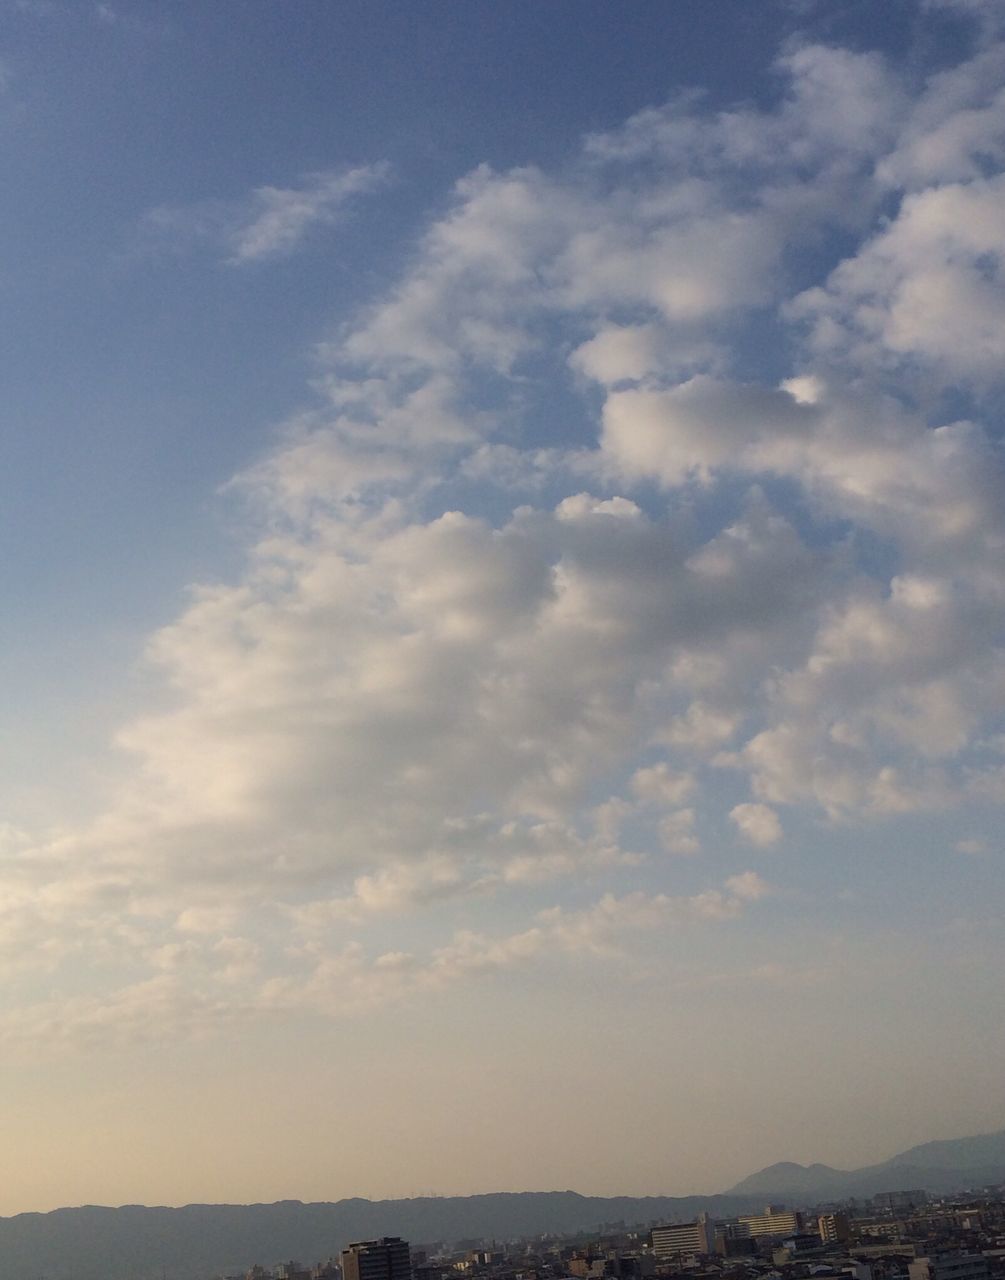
[
  {"x": 196, "y": 1241},
  {"x": 940, "y": 1166}
]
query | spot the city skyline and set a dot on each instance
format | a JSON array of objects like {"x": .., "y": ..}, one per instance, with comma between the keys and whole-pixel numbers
[
  {"x": 906, "y": 1235},
  {"x": 504, "y": 665}
]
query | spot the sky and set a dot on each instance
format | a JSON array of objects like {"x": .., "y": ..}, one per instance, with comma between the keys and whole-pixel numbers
[{"x": 502, "y": 666}]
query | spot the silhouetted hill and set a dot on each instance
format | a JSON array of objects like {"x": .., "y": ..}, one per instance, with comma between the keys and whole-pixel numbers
[
  {"x": 985, "y": 1149},
  {"x": 937, "y": 1167},
  {"x": 200, "y": 1240}
]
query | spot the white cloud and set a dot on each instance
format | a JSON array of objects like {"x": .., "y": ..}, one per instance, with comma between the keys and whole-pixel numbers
[
  {"x": 701, "y": 728},
  {"x": 392, "y": 889},
  {"x": 621, "y": 353},
  {"x": 748, "y": 886},
  {"x": 282, "y": 216},
  {"x": 195, "y": 991},
  {"x": 758, "y": 823},
  {"x": 269, "y": 223},
  {"x": 928, "y": 288},
  {"x": 864, "y": 456},
  {"x": 415, "y": 697},
  {"x": 677, "y": 832},
  {"x": 657, "y": 784},
  {"x": 157, "y": 1008}
]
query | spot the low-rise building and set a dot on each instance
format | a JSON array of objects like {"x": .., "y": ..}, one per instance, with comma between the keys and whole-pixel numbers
[{"x": 949, "y": 1266}]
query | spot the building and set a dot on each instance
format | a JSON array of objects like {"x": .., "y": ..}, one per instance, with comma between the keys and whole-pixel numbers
[
  {"x": 949, "y": 1266},
  {"x": 900, "y": 1199},
  {"x": 384, "y": 1259},
  {"x": 683, "y": 1238},
  {"x": 889, "y": 1249},
  {"x": 775, "y": 1222},
  {"x": 585, "y": 1264},
  {"x": 631, "y": 1266},
  {"x": 834, "y": 1228},
  {"x": 729, "y": 1245},
  {"x": 796, "y": 1248}
]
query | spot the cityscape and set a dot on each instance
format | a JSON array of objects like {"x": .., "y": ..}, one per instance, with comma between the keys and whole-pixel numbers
[
  {"x": 897, "y": 1235},
  {"x": 942, "y": 1217}
]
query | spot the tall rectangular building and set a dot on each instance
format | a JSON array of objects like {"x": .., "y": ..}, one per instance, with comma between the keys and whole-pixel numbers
[
  {"x": 683, "y": 1237},
  {"x": 774, "y": 1223},
  {"x": 384, "y": 1259},
  {"x": 834, "y": 1228}
]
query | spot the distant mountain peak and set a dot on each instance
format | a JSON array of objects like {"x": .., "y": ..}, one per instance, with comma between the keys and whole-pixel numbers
[{"x": 941, "y": 1166}]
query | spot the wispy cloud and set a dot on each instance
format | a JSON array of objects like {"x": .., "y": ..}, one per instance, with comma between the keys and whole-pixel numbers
[
  {"x": 201, "y": 985},
  {"x": 271, "y": 222}
]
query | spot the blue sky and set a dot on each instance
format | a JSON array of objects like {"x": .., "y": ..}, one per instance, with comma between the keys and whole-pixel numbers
[{"x": 504, "y": 516}]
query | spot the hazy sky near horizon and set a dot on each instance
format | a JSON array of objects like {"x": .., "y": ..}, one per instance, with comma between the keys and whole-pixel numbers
[{"x": 503, "y": 667}]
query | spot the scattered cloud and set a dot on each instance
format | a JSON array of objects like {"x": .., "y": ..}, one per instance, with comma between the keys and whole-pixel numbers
[
  {"x": 198, "y": 988},
  {"x": 461, "y": 663}
]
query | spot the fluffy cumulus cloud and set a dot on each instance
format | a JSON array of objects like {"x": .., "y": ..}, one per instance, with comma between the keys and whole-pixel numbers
[
  {"x": 758, "y": 823},
  {"x": 474, "y": 660}
]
